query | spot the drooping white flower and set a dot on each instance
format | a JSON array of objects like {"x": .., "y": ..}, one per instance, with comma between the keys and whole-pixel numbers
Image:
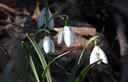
[
  {"x": 60, "y": 38},
  {"x": 42, "y": 19},
  {"x": 53, "y": 47},
  {"x": 51, "y": 21},
  {"x": 47, "y": 44},
  {"x": 69, "y": 36},
  {"x": 98, "y": 54}
]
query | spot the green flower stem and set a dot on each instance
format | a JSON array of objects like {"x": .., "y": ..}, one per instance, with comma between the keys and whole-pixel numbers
[
  {"x": 46, "y": 3},
  {"x": 66, "y": 23},
  {"x": 96, "y": 40},
  {"x": 66, "y": 20}
]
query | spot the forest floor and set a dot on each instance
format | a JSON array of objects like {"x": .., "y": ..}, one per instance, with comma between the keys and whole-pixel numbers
[{"x": 106, "y": 19}]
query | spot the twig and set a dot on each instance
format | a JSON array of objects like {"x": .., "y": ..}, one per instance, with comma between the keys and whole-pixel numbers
[
  {"x": 118, "y": 7},
  {"x": 121, "y": 34},
  {"x": 3, "y": 6},
  {"x": 123, "y": 46}
]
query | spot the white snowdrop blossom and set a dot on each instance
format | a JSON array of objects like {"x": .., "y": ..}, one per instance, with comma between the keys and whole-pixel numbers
[
  {"x": 98, "y": 54},
  {"x": 67, "y": 35},
  {"x": 47, "y": 44},
  {"x": 50, "y": 21},
  {"x": 42, "y": 19}
]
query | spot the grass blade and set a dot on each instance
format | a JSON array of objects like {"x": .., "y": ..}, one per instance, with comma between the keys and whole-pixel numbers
[
  {"x": 85, "y": 71},
  {"x": 41, "y": 57},
  {"x": 81, "y": 55},
  {"x": 77, "y": 65},
  {"x": 44, "y": 72},
  {"x": 29, "y": 51},
  {"x": 34, "y": 68}
]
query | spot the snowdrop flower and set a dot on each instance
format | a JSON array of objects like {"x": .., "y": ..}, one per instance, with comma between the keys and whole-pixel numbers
[
  {"x": 67, "y": 35},
  {"x": 47, "y": 44},
  {"x": 42, "y": 19},
  {"x": 98, "y": 54}
]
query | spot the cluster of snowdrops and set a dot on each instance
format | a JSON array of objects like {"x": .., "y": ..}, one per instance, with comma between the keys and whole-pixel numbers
[{"x": 65, "y": 35}]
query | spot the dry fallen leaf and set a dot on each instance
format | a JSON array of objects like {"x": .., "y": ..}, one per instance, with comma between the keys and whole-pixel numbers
[{"x": 36, "y": 12}]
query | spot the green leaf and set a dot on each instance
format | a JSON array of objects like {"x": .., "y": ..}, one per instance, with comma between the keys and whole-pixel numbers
[
  {"x": 85, "y": 71},
  {"x": 29, "y": 51},
  {"x": 44, "y": 72},
  {"x": 73, "y": 73},
  {"x": 77, "y": 65},
  {"x": 81, "y": 55},
  {"x": 7, "y": 72},
  {"x": 41, "y": 57},
  {"x": 34, "y": 68}
]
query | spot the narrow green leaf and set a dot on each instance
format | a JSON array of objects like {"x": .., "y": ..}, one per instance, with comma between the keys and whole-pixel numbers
[
  {"x": 34, "y": 68},
  {"x": 44, "y": 72},
  {"x": 7, "y": 72},
  {"x": 41, "y": 57},
  {"x": 29, "y": 51},
  {"x": 81, "y": 55},
  {"x": 73, "y": 73},
  {"x": 77, "y": 65},
  {"x": 85, "y": 71}
]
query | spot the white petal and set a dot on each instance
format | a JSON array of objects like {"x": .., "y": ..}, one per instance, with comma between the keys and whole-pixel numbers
[
  {"x": 41, "y": 18},
  {"x": 48, "y": 45},
  {"x": 53, "y": 47},
  {"x": 60, "y": 37},
  {"x": 102, "y": 56},
  {"x": 98, "y": 54},
  {"x": 94, "y": 56},
  {"x": 69, "y": 36},
  {"x": 51, "y": 23}
]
